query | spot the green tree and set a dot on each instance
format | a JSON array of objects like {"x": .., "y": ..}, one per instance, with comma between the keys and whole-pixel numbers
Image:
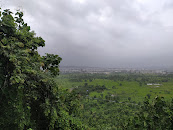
[
  {"x": 155, "y": 115},
  {"x": 29, "y": 96}
]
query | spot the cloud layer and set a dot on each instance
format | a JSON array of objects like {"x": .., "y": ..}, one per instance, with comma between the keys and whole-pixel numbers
[{"x": 104, "y": 33}]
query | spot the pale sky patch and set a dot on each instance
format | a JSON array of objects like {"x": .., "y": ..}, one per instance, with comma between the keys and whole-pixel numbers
[
  {"x": 80, "y": 1},
  {"x": 103, "y": 33}
]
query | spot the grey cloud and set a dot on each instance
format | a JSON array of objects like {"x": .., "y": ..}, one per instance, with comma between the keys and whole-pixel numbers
[{"x": 102, "y": 33}]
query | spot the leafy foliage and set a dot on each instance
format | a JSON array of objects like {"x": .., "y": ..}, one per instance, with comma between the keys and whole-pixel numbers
[
  {"x": 29, "y": 96},
  {"x": 157, "y": 115},
  {"x": 107, "y": 105}
]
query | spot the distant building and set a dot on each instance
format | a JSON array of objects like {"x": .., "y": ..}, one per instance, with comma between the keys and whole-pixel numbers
[{"x": 155, "y": 84}]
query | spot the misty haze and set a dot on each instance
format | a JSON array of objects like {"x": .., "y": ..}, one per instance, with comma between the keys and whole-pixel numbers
[{"x": 99, "y": 33}]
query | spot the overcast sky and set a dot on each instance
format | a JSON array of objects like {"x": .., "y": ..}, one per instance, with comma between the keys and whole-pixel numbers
[{"x": 102, "y": 33}]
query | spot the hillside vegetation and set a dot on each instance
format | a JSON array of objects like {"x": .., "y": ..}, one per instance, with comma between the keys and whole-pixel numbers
[
  {"x": 33, "y": 96},
  {"x": 122, "y": 101}
]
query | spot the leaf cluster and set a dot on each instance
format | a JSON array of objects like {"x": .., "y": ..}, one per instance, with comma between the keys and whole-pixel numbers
[
  {"x": 155, "y": 115},
  {"x": 29, "y": 96}
]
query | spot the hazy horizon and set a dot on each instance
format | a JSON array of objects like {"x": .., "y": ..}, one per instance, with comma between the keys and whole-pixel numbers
[{"x": 99, "y": 33}]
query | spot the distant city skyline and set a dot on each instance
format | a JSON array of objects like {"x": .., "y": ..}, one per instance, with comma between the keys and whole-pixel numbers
[
  {"x": 95, "y": 70},
  {"x": 100, "y": 33}
]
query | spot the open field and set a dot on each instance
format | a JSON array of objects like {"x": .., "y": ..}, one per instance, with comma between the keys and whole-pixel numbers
[
  {"x": 125, "y": 86},
  {"x": 111, "y": 101}
]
